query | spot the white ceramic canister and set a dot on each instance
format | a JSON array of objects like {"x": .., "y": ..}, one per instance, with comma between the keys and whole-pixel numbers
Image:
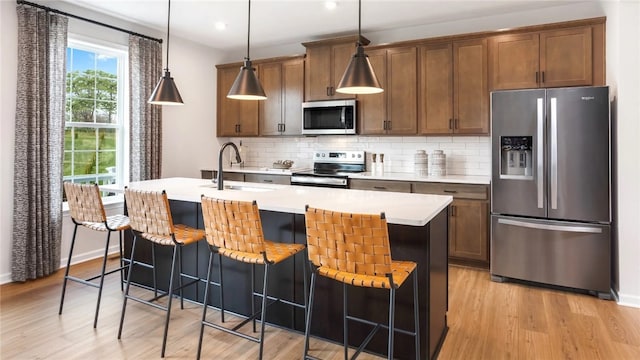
[
  {"x": 438, "y": 166},
  {"x": 420, "y": 163}
]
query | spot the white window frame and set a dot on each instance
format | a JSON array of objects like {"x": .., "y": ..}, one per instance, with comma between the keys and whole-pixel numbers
[{"x": 122, "y": 129}]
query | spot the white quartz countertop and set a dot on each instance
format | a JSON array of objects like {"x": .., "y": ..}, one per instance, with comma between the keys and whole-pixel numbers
[{"x": 399, "y": 208}]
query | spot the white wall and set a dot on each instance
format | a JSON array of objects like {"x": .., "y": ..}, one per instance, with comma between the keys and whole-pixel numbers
[{"x": 190, "y": 143}]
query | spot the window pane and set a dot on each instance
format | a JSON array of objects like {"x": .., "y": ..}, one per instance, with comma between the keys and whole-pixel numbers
[
  {"x": 84, "y": 163},
  {"x": 107, "y": 64},
  {"x": 82, "y": 110},
  {"x": 106, "y": 112},
  {"x": 85, "y": 139},
  {"x": 107, "y": 88},
  {"x": 106, "y": 162},
  {"x": 68, "y": 138},
  {"x": 82, "y": 60},
  {"x": 107, "y": 139},
  {"x": 67, "y": 164}
]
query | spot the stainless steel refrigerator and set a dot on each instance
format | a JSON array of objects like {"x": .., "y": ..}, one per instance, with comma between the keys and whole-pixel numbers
[{"x": 551, "y": 187}]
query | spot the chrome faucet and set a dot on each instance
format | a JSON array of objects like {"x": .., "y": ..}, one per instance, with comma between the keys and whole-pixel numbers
[{"x": 238, "y": 159}]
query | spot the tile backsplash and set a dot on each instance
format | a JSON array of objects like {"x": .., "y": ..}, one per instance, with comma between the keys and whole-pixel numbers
[{"x": 466, "y": 155}]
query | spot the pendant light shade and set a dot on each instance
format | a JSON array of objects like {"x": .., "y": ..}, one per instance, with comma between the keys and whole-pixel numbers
[
  {"x": 359, "y": 77},
  {"x": 166, "y": 92},
  {"x": 247, "y": 86}
]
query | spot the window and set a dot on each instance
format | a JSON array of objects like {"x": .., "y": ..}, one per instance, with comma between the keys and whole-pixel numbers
[{"x": 95, "y": 138}]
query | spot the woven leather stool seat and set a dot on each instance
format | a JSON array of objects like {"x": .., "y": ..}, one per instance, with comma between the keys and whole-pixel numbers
[
  {"x": 86, "y": 209},
  {"x": 151, "y": 220},
  {"x": 234, "y": 230},
  {"x": 354, "y": 250}
]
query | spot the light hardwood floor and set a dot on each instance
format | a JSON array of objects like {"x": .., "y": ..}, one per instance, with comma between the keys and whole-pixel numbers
[{"x": 487, "y": 320}]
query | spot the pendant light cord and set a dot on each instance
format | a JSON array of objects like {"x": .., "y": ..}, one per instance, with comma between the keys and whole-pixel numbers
[
  {"x": 248, "y": 29},
  {"x": 168, "y": 21},
  {"x": 359, "y": 22}
]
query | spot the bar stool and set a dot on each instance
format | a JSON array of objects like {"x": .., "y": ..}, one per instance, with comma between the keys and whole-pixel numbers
[
  {"x": 86, "y": 209},
  {"x": 354, "y": 249},
  {"x": 234, "y": 230},
  {"x": 150, "y": 217}
]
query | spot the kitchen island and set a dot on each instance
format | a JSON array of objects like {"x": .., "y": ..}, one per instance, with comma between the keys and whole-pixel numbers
[{"x": 418, "y": 232}]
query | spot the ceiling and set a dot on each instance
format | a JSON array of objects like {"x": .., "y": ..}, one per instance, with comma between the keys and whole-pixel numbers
[{"x": 275, "y": 22}]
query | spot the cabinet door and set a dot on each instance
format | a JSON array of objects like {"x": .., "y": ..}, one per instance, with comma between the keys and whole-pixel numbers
[
  {"x": 471, "y": 94},
  {"x": 468, "y": 230},
  {"x": 372, "y": 108},
  {"x": 234, "y": 117},
  {"x": 292, "y": 96},
  {"x": 318, "y": 75},
  {"x": 325, "y": 66},
  {"x": 566, "y": 58},
  {"x": 436, "y": 89},
  {"x": 341, "y": 57},
  {"x": 270, "y": 114},
  {"x": 402, "y": 91},
  {"x": 513, "y": 61}
]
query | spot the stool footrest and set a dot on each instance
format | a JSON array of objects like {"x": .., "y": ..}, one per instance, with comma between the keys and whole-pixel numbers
[
  {"x": 384, "y": 326},
  {"x": 232, "y": 331}
]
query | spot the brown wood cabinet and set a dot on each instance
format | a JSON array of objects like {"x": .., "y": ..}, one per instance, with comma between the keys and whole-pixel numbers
[
  {"x": 325, "y": 63},
  {"x": 380, "y": 185},
  {"x": 453, "y": 91},
  {"x": 234, "y": 117},
  {"x": 394, "y": 111},
  {"x": 283, "y": 82},
  {"x": 554, "y": 58},
  {"x": 468, "y": 220}
]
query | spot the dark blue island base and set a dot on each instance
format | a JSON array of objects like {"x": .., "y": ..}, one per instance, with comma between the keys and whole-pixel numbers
[{"x": 426, "y": 245}]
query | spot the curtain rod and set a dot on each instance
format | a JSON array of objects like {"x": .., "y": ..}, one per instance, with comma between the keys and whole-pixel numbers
[{"x": 85, "y": 19}]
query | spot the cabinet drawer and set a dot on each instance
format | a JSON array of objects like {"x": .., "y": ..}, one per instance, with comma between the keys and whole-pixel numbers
[
  {"x": 233, "y": 176},
  {"x": 458, "y": 191},
  {"x": 380, "y": 185},
  {"x": 268, "y": 179}
]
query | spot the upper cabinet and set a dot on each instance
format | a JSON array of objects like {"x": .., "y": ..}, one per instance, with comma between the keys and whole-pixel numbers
[
  {"x": 234, "y": 117},
  {"x": 453, "y": 89},
  {"x": 394, "y": 111},
  {"x": 326, "y": 62},
  {"x": 553, "y": 58},
  {"x": 283, "y": 82}
]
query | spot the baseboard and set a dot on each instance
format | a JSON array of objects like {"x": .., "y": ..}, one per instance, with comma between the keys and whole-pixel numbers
[
  {"x": 77, "y": 258},
  {"x": 627, "y": 300}
]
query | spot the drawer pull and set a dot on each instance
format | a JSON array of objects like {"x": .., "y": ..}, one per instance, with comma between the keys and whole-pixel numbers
[
  {"x": 380, "y": 188},
  {"x": 267, "y": 180},
  {"x": 451, "y": 191}
]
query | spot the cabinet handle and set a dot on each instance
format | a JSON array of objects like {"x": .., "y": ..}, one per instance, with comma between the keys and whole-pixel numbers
[
  {"x": 450, "y": 191},
  {"x": 283, "y": 127},
  {"x": 267, "y": 180},
  {"x": 384, "y": 124},
  {"x": 453, "y": 210},
  {"x": 455, "y": 123},
  {"x": 237, "y": 128},
  {"x": 328, "y": 91},
  {"x": 543, "y": 77},
  {"x": 536, "y": 77},
  {"x": 388, "y": 124},
  {"x": 380, "y": 188},
  {"x": 450, "y": 124}
]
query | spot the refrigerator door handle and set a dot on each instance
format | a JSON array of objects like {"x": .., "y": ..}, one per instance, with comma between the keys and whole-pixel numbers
[
  {"x": 554, "y": 153},
  {"x": 540, "y": 156},
  {"x": 565, "y": 228}
]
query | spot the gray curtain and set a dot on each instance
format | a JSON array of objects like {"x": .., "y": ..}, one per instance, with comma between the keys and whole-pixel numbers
[
  {"x": 39, "y": 134},
  {"x": 145, "y": 69}
]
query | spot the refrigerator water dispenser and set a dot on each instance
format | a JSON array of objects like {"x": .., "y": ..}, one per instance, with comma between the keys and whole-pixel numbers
[{"x": 516, "y": 157}]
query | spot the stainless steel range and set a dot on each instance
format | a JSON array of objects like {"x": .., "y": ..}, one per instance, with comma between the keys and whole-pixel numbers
[{"x": 331, "y": 169}]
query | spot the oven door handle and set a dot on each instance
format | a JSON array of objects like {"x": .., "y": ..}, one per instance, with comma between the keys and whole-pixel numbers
[{"x": 313, "y": 180}]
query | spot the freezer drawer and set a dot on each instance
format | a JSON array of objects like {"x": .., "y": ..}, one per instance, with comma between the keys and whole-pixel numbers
[{"x": 575, "y": 255}]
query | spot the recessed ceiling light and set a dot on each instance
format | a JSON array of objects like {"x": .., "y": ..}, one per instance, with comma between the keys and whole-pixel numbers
[
  {"x": 220, "y": 25},
  {"x": 330, "y": 4}
]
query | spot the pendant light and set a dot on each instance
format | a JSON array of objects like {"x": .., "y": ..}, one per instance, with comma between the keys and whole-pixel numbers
[
  {"x": 247, "y": 86},
  {"x": 359, "y": 78},
  {"x": 166, "y": 92}
]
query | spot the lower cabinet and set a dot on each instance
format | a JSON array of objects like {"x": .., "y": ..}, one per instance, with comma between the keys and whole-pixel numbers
[
  {"x": 268, "y": 178},
  {"x": 468, "y": 215}
]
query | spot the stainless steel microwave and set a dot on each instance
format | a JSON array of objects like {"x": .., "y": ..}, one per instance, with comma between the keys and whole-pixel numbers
[{"x": 331, "y": 117}]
